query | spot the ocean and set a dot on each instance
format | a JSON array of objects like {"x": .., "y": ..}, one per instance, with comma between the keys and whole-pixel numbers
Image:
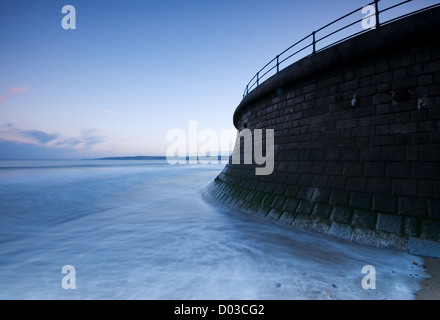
[{"x": 142, "y": 230}]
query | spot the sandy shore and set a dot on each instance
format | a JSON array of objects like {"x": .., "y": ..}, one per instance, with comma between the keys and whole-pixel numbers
[{"x": 431, "y": 287}]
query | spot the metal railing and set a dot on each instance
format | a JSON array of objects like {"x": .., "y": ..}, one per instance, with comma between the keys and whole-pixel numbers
[{"x": 293, "y": 50}]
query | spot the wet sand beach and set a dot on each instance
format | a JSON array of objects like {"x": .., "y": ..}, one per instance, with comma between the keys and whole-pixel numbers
[{"x": 431, "y": 287}]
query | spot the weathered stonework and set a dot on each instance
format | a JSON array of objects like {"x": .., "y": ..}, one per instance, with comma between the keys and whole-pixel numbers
[{"x": 357, "y": 141}]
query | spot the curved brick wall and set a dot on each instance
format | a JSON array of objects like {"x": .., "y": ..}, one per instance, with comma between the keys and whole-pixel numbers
[{"x": 367, "y": 173}]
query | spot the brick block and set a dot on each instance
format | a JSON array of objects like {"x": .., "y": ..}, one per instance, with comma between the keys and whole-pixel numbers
[
  {"x": 305, "y": 207},
  {"x": 412, "y": 207},
  {"x": 250, "y": 196},
  {"x": 278, "y": 202},
  {"x": 279, "y": 178},
  {"x": 352, "y": 169},
  {"x": 341, "y": 231},
  {"x": 349, "y": 123},
  {"x": 319, "y": 181},
  {"x": 317, "y": 154},
  {"x": 431, "y": 66},
  {"x": 402, "y": 84},
  {"x": 322, "y": 210},
  {"x": 403, "y": 117},
  {"x": 382, "y": 77},
  {"x": 350, "y": 154},
  {"x": 382, "y": 98},
  {"x": 393, "y": 153},
  {"x": 304, "y": 167},
  {"x": 389, "y": 223},
  {"x": 333, "y": 154},
  {"x": 334, "y": 168},
  {"x": 430, "y": 153},
  {"x": 379, "y": 186},
  {"x": 280, "y": 189},
  {"x": 356, "y": 184},
  {"x": 411, "y": 227},
  {"x": 292, "y": 166},
  {"x": 383, "y": 140},
  {"x": 370, "y": 154},
  {"x": 411, "y": 153},
  {"x": 382, "y": 119},
  {"x": 401, "y": 62},
  {"x": 404, "y": 139},
  {"x": 292, "y": 191},
  {"x": 258, "y": 198},
  {"x": 339, "y": 198},
  {"x": 420, "y": 115},
  {"x": 398, "y": 170},
  {"x": 385, "y": 203},
  {"x": 364, "y": 219},
  {"x": 382, "y": 109},
  {"x": 318, "y": 168},
  {"x": 430, "y": 230},
  {"x": 425, "y": 80},
  {"x": 403, "y": 128},
  {"x": 321, "y": 195},
  {"x": 361, "y": 200},
  {"x": 401, "y": 73},
  {"x": 305, "y": 193},
  {"x": 425, "y": 170},
  {"x": 336, "y": 183},
  {"x": 268, "y": 200},
  {"x": 367, "y": 111},
  {"x": 374, "y": 169},
  {"x": 383, "y": 130},
  {"x": 291, "y": 205},
  {"x": 341, "y": 215},
  {"x": 402, "y": 187},
  {"x": 426, "y": 126},
  {"x": 261, "y": 186},
  {"x": 434, "y": 114},
  {"x": 383, "y": 87},
  {"x": 366, "y": 71},
  {"x": 425, "y": 189},
  {"x": 305, "y": 180},
  {"x": 363, "y": 142},
  {"x": 270, "y": 187},
  {"x": 434, "y": 209}
]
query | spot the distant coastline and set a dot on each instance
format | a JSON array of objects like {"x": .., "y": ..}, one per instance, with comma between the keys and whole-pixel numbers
[
  {"x": 132, "y": 158},
  {"x": 157, "y": 158}
]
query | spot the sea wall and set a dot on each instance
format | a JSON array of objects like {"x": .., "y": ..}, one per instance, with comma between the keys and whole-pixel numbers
[{"x": 357, "y": 141}]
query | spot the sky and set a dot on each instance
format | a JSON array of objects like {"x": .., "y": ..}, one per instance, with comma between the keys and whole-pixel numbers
[{"x": 133, "y": 70}]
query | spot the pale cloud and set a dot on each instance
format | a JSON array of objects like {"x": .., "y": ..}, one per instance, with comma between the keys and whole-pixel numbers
[
  {"x": 112, "y": 112},
  {"x": 40, "y": 136},
  {"x": 85, "y": 140},
  {"x": 13, "y": 91}
]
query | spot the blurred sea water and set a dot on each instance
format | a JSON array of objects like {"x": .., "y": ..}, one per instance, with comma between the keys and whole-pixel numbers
[{"x": 141, "y": 230}]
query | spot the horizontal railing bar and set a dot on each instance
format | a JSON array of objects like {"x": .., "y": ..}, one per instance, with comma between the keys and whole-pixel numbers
[
  {"x": 294, "y": 45},
  {"x": 295, "y": 53},
  {"x": 274, "y": 59},
  {"x": 277, "y": 61},
  {"x": 411, "y": 13},
  {"x": 342, "y": 40},
  {"x": 262, "y": 76},
  {"x": 343, "y": 28},
  {"x": 343, "y": 17},
  {"x": 395, "y": 6}
]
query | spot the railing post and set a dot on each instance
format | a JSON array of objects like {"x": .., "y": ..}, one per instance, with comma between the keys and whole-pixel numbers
[
  {"x": 314, "y": 42},
  {"x": 376, "y": 4},
  {"x": 258, "y": 79},
  {"x": 278, "y": 63}
]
